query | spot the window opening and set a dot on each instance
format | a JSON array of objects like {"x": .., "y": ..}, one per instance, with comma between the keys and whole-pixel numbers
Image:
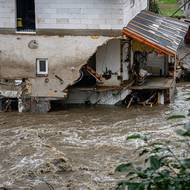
[
  {"x": 25, "y": 15},
  {"x": 42, "y": 66}
]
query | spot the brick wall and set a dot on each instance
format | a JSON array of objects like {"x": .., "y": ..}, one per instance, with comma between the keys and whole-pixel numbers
[{"x": 7, "y": 14}]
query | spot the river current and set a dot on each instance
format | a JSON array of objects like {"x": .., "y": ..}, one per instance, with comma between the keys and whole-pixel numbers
[{"x": 78, "y": 148}]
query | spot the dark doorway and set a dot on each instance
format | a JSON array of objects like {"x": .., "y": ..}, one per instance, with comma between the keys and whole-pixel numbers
[{"x": 25, "y": 15}]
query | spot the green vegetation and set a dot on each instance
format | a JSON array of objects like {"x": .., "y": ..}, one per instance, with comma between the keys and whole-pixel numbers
[
  {"x": 168, "y": 7},
  {"x": 163, "y": 168},
  {"x": 168, "y": 1}
]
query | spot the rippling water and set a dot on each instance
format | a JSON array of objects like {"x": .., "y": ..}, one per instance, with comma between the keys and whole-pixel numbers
[{"x": 91, "y": 139}]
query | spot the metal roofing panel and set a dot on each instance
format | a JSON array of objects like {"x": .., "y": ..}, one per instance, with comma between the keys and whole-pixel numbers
[{"x": 164, "y": 33}]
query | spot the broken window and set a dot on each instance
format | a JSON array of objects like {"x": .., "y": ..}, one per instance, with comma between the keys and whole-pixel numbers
[
  {"x": 25, "y": 15},
  {"x": 42, "y": 66}
]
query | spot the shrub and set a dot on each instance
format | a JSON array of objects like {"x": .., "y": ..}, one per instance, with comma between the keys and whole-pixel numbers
[{"x": 163, "y": 168}]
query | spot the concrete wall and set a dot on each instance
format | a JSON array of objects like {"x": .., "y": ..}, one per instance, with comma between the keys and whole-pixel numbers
[
  {"x": 7, "y": 14},
  {"x": 132, "y": 7},
  {"x": 86, "y": 14},
  {"x": 108, "y": 58},
  {"x": 186, "y": 9},
  {"x": 156, "y": 65},
  {"x": 126, "y": 60},
  {"x": 75, "y": 14},
  {"x": 111, "y": 97},
  {"x": 79, "y": 14},
  {"x": 66, "y": 55}
]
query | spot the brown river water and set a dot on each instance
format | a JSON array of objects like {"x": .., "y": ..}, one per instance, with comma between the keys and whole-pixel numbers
[{"x": 78, "y": 148}]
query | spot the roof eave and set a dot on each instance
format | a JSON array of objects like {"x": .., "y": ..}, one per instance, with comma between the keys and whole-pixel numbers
[{"x": 159, "y": 48}]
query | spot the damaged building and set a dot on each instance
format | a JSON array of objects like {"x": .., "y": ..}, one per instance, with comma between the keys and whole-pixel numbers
[
  {"x": 77, "y": 52},
  {"x": 156, "y": 44},
  {"x": 63, "y": 50}
]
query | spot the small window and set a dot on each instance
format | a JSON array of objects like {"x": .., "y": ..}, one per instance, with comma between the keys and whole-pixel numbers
[{"x": 42, "y": 66}]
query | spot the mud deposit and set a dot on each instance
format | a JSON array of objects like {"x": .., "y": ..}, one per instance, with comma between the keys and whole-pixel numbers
[{"x": 78, "y": 148}]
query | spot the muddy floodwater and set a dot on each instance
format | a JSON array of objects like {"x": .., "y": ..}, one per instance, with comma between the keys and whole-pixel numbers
[{"x": 78, "y": 148}]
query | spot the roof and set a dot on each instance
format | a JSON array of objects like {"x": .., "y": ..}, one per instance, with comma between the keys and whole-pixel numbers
[{"x": 162, "y": 33}]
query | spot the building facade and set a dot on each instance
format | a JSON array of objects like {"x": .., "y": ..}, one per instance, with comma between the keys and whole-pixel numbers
[
  {"x": 76, "y": 15},
  {"x": 52, "y": 49}
]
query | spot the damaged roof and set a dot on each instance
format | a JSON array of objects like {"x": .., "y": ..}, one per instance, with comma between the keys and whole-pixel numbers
[{"x": 162, "y": 33}]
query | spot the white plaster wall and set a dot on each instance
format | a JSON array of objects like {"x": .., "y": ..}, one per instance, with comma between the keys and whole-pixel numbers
[
  {"x": 132, "y": 7},
  {"x": 125, "y": 61},
  {"x": 108, "y": 57},
  {"x": 7, "y": 14},
  {"x": 156, "y": 64},
  {"x": 79, "y": 14},
  {"x": 75, "y": 14},
  {"x": 86, "y": 14},
  {"x": 111, "y": 97},
  {"x": 66, "y": 55},
  {"x": 187, "y": 10}
]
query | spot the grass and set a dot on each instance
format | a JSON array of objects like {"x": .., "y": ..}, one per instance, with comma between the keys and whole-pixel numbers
[
  {"x": 168, "y": 1},
  {"x": 168, "y": 7}
]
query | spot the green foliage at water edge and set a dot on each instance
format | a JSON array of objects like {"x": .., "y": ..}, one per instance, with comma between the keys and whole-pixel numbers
[{"x": 162, "y": 169}]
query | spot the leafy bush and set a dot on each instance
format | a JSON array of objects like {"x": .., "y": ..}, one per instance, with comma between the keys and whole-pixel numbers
[{"x": 163, "y": 168}]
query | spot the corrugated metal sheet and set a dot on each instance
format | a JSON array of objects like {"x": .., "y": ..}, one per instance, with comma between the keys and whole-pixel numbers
[{"x": 163, "y": 33}]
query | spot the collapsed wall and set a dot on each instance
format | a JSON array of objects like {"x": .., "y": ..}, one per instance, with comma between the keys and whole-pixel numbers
[
  {"x": 19, "y": 55},
  {"x": 66, "y": 55}
]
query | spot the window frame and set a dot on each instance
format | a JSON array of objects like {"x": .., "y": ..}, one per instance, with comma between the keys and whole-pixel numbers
[{"x": 41, "y": 73}]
